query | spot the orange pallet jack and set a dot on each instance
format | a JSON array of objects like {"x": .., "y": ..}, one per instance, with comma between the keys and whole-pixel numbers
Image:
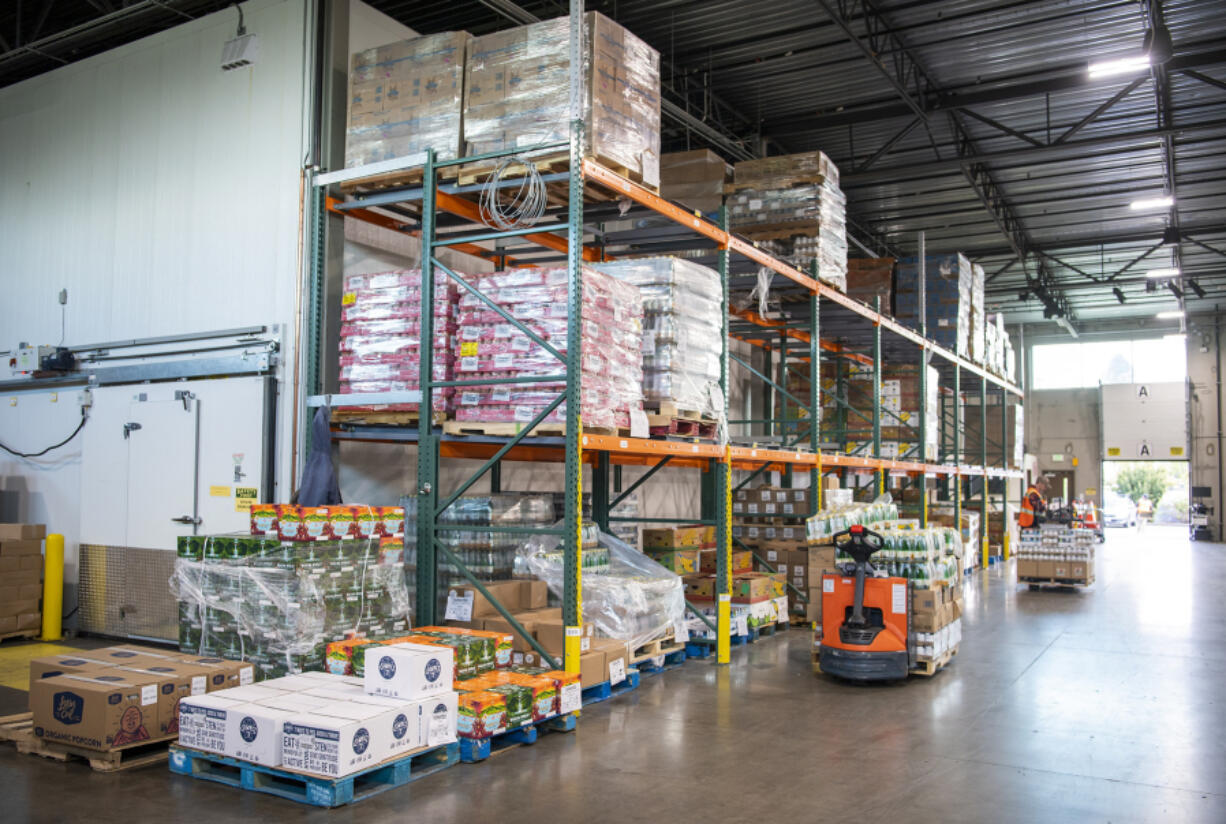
[{"x": 864, "y": 619}]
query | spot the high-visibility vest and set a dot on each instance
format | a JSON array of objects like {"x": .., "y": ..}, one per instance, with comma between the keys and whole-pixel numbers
[{"x": 1026, "y": 519}]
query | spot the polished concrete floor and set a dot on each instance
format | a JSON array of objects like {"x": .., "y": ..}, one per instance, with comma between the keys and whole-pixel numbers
[{"x": 1079, "y": 706}]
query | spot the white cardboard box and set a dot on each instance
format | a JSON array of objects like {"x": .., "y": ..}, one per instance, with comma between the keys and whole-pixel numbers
[
  {"x": 438, "y": 716},
  {"x": 294, "y": 701},
  {"x": 409, "y": 670},
  {"x": 339, "y": 739},
  {"x": 328, "y": 679},
  {"x": 291, "y": 683},
  {"x": 253, "y": 733},
  {"x": 203, "y": 720},
  {"x": 252, "y": 693}
]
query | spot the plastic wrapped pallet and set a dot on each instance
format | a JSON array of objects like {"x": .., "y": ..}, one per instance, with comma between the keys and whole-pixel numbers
[
  {"x": 517, "y": 93},
  {"x": 783, "y": 171},
  {"x": 406, "y": 97},
  {"x": 625, "y": 531},
  {"x": 380, "y": 339},
  {"x": 979, "y": 321},
  {"x": 872, "y": 278},
  {"x": 947, "y": 295},
  {"x": 695, "y": 179},
  {"x": 277, "y": 604},
  {"x": 632, "y": 599},
  {"x": 611, "y": 368},
  {"x": 682, "y": 331}
]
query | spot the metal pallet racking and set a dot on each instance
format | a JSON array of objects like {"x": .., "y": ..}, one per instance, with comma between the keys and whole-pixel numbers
[{"x": 443, "y": 215}]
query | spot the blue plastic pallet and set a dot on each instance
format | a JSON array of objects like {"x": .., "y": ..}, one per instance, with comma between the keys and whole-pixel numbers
[
  {"x": 315, "y": 790},
  {"x": 671, "y": 660},
  {"x": 605, "y": 690},
  {"x": 479, "y": 749},
  {"x": 697, "y": 649}
]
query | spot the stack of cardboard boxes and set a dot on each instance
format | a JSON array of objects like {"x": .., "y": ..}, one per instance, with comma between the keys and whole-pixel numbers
[
  {"x": 406, "y": 97},
  {"x": 936, "y": 621},
  {"x": 948, "y": 298},
  {"x": 602, "y": 659},
  {"x": 871, "y": 278},
  {"x": 331, "y": 725},
  {"x": 21, "y": 575},
  {"x": 1056, "y": 553},
  {"x": 115, "y": 697}
]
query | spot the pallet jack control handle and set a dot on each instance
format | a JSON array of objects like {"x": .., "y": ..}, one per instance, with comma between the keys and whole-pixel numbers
[{"x": 860, "y": 543}]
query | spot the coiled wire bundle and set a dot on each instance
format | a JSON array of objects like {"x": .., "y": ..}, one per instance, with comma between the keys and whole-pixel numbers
[{"x": 513, "y": 207}]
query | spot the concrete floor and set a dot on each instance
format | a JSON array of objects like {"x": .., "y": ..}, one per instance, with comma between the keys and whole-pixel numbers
[{"x": 1098, "y": 705}]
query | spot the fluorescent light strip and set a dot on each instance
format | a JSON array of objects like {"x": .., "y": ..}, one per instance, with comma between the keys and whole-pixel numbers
[
  {"x": 1146, "y": 204},
  {"x": 1162, "y": 273},
  {"x": 1170, "y": 315},
  {"x": 1125, "y": 65}
]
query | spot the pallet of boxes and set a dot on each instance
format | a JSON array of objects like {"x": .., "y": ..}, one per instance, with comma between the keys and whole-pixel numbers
[
  {"x": 21, "y": 576},
  {"x": 115, "y": 707},
  {"x": 1055, "y": 555},
  {"x": 935, "y": 624},
  {"x": 769, "y": 522},
  {"x": 759, "y": 602}
]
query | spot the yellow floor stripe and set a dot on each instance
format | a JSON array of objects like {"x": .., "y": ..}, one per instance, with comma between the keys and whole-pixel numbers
[{"x": 15, "y": 662}]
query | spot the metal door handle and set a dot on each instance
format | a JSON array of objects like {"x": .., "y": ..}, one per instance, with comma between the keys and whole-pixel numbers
[{"x": 187, "y": 519}]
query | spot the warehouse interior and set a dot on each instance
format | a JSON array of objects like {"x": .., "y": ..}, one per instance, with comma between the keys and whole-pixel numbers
[{"x": 723, "y": 296}]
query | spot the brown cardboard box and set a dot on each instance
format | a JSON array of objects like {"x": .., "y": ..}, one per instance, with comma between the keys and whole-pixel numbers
[
  {"x": 742, "y": 561},
  {"x": 593, "y": 667},
  {"x": 810, "y": 610},
  {"x": 175, "y": 680},
  {"x": 50, "y": 665},
  {"x": 22, "y": 532},
  {"x": 680, "y": 561},
  {"x": 98, "y": 712},
  {"x": 612, "y": 650},
  {"x": 529, "y": 619},
  {"x": 11, "y": 547},
  {"x": 1061, "y": 569},
  {"x": 223, "y": 673},
  {"x": 18, "y": 608},
  {"x": 752, "y": 587},
  {"x": 508, "y": 594},
  {"x": 1081, "y": 570},
  {"x": 8, "y": 623},
  {"x": 696, "y": 178},
  {"x": 29, "y": 620},
  {"x": 29, "y": 592},
  {"x": 29, "y": 563},
  {"x": 699, "y": 587},
  {"x": 679, "y": 537},
  {"x": 533, "y": 594},
  {"x": 12, "y": 565},
  {"x": 551, "y": 634}
]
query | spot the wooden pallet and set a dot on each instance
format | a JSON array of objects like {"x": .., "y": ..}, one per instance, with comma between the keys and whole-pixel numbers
[
  {"x": 779, "y": 230},
  {"x": 800, "y": 621},
  {"x": 28, "y": 634},
  {"x": 311, "y": 789},
  {"x": 656, "y": 655},
  {"x": 378, "y": 418},
  {"x": 927, "y": 669},
  {"x": 20, "y": 730},
  {"x": 473, "y": 750},
  {"x": 398, "y": 179},
  {"x": 554, "y": 163},
  {"x": 1055, "y": 582},
  {"x": 509, "y": 430},
  {"x": 669, "y": 420},
  {"x": 781, "y": 182}
]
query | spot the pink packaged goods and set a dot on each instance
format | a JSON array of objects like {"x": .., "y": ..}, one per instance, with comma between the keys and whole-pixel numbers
[
  {"x": 490, "y": 347},
  {"x": 380, "y": 340}
]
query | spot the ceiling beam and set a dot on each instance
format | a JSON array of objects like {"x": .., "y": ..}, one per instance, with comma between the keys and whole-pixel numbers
[
  {"x": 1019, "y": 87},
  {"x": 913, "y": 83}
]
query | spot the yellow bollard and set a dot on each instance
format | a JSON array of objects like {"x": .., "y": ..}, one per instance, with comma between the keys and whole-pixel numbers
[{"x": 53, "y": 588}]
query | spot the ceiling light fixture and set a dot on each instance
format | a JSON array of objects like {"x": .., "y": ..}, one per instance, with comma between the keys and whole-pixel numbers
[
  {"x": 1124, "y": 65},
  {"x": 1170, "y": 314},
  {"x": 1119, "y": 294},
  {"x": 1195, "y": 287},
  {"x": 1147, "y": 204},
  {"x": 1162, "y": 273},
  {"x": 1175, "y": 290}
]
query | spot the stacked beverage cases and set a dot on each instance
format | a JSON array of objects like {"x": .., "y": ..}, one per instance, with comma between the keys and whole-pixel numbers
[{"x": 380, "y": 341}]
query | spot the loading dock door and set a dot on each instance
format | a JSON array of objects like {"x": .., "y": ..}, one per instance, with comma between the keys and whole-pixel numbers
[{"x": 1144, "y": 421}]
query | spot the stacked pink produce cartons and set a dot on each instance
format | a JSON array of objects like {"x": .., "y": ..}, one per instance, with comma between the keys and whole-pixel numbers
[
  {"x": 380, "y": 341},
  {"x": 490, "y": 347}
]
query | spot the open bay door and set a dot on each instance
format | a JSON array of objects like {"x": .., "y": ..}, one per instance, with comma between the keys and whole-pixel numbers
[
  {"x": 160, "y": 461},
  {"x": 1144, "y": 421}
]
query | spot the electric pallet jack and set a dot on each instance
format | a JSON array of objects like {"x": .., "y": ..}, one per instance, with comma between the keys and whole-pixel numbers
[{"x": 864, "y": 619}]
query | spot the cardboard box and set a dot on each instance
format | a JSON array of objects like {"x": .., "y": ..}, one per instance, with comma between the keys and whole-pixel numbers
[
  {"x": 223, "y": 674},
  {"x": 616, "y": 659},
  {"x": 529, "y": 620},
  {"x": 742, "y": 561},
  {"x": 204, "y": 720},
  {"x": 679, "y": 537},
  {"x": 551, "y": 634},
  {"x": 508, "y": 593},
  {"x": 751, "y": 587},
  {"x": 21, "y": 547},
  {"x": 810, "y": 610},
  {"x": 533, "y": 594},
  {"x": 175, "y": 681},
  {"x": 481, "y": 714},
  {"x": 95, "y": 711},
  {"x": 696, "y": 179},
  {"x": 680, "y": 561},
  {"x": 340, "y": 739},
  {"x": 51, "y": 665},
  {"x": 409, "y": 670},
  {"x": 22, "y": 532}
]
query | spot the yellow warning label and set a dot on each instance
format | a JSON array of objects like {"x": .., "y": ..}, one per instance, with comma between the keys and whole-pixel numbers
[
  {"x": 349, "y": 298},
  {"x": 1177, "y": 451},
  {"x": 219, "y": 492},
  {"x": 244, "y": 497},
  {"x": 1113, "y": 451},
  {"x": 468, "y": 348}
]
